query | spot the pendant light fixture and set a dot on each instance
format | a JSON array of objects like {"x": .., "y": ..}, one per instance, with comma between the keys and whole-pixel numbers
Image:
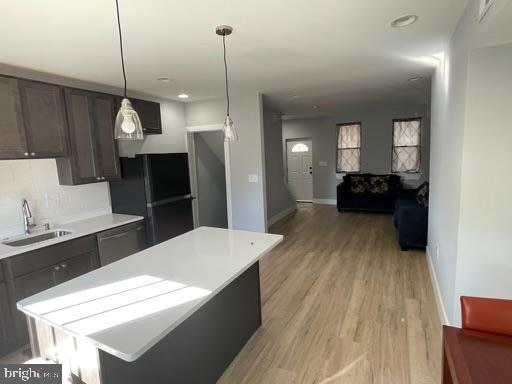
[
  {"x": 127, "y": 125},
  {"x": 230, "y": 133}
]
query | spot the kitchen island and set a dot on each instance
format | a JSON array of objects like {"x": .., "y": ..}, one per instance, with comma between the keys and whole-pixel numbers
[{"x": 178, "y": 312}]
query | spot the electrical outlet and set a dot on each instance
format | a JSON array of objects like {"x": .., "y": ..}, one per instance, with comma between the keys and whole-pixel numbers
[{"x": 253, "y": 178}]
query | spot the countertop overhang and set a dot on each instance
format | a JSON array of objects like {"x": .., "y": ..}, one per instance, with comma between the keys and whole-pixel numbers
[{"x": 126, "y": 307}]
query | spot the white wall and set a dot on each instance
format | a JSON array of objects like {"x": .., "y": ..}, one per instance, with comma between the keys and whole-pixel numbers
[
  {"x": 246, "y": 155},
  {"x": 376, "y": 138},
  {"x": 447, "y": 133},
  {"x": 484, "y": 266},
  {"x": 37, "y": 181},
  {"x": 469, "y": 216}
]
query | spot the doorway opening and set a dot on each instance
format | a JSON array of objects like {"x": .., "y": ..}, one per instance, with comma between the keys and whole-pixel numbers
[
  {"x": 208, "y": 158},
  {"x": 299, "y": 164}
]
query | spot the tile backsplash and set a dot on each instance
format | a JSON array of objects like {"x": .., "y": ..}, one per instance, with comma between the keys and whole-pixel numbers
[{"x": 37, "y": 181}]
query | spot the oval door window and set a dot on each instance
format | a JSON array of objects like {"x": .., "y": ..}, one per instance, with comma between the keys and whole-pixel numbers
[{"x": 300, "y": 147}]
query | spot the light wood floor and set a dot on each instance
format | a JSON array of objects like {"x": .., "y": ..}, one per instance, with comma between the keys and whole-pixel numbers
[{"x": 342, "y": 304}]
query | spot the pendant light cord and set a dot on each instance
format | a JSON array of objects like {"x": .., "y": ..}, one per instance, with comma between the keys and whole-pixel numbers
[
  {"x": 121, "y": 45},
  {"x": 225, "y": 71}
]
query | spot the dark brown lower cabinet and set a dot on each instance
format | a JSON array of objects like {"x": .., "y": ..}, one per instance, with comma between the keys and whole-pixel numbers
[
  {"x": 7, "y": 340},
  {"x": 36, "y": 271}
]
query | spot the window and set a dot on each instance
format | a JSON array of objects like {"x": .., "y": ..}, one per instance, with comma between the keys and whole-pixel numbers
[
  {"x": 300, "y": 148},
  {"x": 349, "y": 148},
  {"x": 406, "y": 145}
]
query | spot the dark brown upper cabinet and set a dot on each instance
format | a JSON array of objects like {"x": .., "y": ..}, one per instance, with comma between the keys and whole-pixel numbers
[
  {"x": 32, "y": 120},
  {"x": 149, "y": 114},
  {"x": 93, "y": 156},
  {"x": 13, "y": 144},
  {"x": 45, "y": 119}
]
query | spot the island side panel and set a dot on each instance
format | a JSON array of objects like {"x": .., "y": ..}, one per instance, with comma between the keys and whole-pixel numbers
[
  {"x": 202, "y": 347},
  {"x": 79, "y": 358}
]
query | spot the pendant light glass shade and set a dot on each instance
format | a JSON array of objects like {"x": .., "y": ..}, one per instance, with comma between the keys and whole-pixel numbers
[
  {"x": 230, "y": 133},
  {"x": 128, "y": 126}
]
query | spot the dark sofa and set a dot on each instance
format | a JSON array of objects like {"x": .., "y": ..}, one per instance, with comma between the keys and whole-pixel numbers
[
  {"x": 411, "y": 218},
  {"x": 368, "y": 192}
]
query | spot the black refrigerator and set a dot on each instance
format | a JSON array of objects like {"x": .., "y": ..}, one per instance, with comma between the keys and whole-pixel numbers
[{"x": 156, "y": 186}]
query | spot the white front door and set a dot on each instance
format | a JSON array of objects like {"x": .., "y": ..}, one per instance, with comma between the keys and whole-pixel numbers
[{"x": 300, "y": 169}]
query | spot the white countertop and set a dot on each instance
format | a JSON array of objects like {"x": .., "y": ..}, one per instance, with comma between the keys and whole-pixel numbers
[
  {"x": 128, "y": 306},
  {"x": 78, "y": 228}
]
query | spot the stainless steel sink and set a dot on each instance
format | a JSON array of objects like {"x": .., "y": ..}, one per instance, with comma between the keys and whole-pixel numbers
[{"x": 18, "y": 242}]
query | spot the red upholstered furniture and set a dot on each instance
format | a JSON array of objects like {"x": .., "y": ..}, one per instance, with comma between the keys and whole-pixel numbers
[
  {"x": 487, "y": 315},
  {"x": 480, "y": 352}
]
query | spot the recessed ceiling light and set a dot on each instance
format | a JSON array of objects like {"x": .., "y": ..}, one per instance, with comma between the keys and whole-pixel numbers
[
  {"x": 183, "y": 96},
  {"x": 404, "y": 21},
  {"x": 414, "y": 79},
  {"x": 164, "y": 79}
]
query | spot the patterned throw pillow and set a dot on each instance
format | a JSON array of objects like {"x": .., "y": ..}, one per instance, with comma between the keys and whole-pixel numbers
[
  {"x": 422, "y": 194},
  {"x": 379, "y": 184},
  {"x": 358, "y": 184}
]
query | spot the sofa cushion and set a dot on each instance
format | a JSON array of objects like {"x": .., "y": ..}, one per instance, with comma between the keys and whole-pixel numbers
[
  {"x": 422, "y": 194},
  {"x": 358, "y": 184},
  {"x": 379, "y": 184}
]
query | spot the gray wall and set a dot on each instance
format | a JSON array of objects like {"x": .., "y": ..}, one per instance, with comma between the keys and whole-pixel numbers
[
  {"x": 247, "y": 155},
  {"x": 376, "y": 136},
  {"x": 211, "y": 179},
  {"x": 279, "y": 198}
]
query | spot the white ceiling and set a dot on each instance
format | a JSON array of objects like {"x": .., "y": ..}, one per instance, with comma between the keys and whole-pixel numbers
[{"x": 330, "y": 52}]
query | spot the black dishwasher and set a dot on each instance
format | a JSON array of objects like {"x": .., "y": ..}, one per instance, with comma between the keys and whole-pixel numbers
[{"x": 117, "y": 243}]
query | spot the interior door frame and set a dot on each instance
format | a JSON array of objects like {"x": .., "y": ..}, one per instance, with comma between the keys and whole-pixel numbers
[
  {"x": 312, "y": 165},
  {"x": 191, "y": 149}
]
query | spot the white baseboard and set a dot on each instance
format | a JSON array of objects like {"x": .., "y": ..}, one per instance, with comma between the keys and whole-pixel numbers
[
  {"x": 437, "y": 291},
  {"x": 325, "y": 201},
  {"x": 281, "y": 215}
]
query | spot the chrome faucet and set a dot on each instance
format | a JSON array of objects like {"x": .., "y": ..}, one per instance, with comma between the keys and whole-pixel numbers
[{"x": 28, "y": 220}]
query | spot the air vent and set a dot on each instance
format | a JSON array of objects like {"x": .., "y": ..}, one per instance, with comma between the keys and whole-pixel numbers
[{"x": 485, "y": 5}]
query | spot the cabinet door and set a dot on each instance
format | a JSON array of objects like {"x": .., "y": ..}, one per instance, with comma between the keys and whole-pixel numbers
[
  {"x": 13, "y": 144},
  {"x": 45, "y": 121},
  {"x": 6, "y": 337},
  {"x": 106, "y": 146},
  {"x": 79, "y": 106},
  {"x": 75, "y": 267},
  {"x": 149, "y": 114},
  {"x": 25, "y": 286}
]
